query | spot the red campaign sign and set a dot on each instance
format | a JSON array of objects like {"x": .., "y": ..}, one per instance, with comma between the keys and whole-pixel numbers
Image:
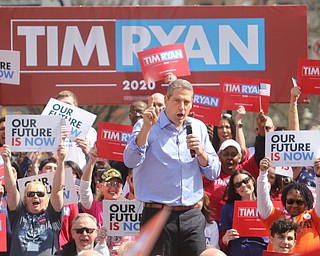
[
  {"x": 207, "y": 105},
  {"x": 246, "y": 220},
  {"x": 3, "y": 233},
  {"x": 157, "y": 62},
  {"x": 309, "y": 76},
  {"x": 93, "y": 51},
  {"x": 112, "y": 140},
  {"x": 252, "y": 93}
]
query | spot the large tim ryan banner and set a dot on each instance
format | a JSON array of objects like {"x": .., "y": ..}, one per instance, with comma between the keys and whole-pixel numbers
[{"x": 93, "y": 51}]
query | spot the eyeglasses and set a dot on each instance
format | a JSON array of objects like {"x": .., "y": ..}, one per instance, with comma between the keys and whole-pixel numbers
[
  {"x": 244, "y": 181},
  {"x": 114, "y": 184},
  {"x": 232, "y": 154},
  {"x": 292, "y": 201},
  {"x": 33, "y": 193},
  {"x": 268, "y": 128},
  {"x": 137, "y": 111},
  {"x": 81, "y": 230}
]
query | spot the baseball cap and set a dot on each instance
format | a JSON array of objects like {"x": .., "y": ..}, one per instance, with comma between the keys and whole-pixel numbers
[
  {"x": 111, "y": 173},
  {"x": 230, "y": 143}
]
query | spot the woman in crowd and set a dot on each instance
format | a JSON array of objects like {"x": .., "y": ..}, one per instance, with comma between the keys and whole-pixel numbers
[
  {"x": 109, "y": 187},
  {"x": 242, "y": 186},
  {"x": 35, "y": 219},
  {"x": 297, "y": 202}
]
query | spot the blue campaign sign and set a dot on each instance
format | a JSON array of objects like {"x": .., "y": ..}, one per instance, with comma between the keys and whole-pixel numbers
[{"x": 210, "y": 44}]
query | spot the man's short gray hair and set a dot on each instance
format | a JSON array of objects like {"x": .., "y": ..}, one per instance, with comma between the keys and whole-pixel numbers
[
  {"x": 179, "y": 84},
  {"x": 83, "y": 215}
]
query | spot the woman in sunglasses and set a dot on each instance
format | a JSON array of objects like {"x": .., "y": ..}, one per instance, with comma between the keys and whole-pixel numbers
[
  {"x": 242, "y": 186},
  {"x": 109, "y": 187},
  {"x": 297, "y": 202},
  {"x": 35, "y": 219}
]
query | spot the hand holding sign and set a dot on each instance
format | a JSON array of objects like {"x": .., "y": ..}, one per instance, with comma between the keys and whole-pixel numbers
[
  {"x": 6, "y": 153},
  {"x": 264, "y": 164},
  {"x": 316, "y": 167},
  {"x": 93, "y": 152},
  {"x": 261, "y": 121},
  {"x": 61, "y": 152},
  {"x": 295, "y": 93},
  {"x": 230, "y": 235},
  {"x": 241, "y": 111},
  {"x": 83, "y": 144},
  {"x": 169, "y": 78}
]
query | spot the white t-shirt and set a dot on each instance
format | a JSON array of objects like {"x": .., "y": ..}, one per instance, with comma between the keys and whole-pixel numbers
[{"x": 211, "y": 232}]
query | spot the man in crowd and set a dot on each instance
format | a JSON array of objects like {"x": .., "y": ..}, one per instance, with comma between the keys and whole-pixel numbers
[
  {"x": 84, "y": 233},
  {"x": 135, "y": 114},
  {"x": 136, "y": 111}
]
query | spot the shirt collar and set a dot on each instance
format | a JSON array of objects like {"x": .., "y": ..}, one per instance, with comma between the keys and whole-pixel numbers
[{"x": 163, "y": 119}]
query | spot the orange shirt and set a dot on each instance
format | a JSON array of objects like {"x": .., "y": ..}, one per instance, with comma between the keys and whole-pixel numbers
[{"x": 307, "y": 237}]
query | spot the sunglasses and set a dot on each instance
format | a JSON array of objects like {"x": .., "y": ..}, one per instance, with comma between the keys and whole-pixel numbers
[
  {"x": 114, "y": 184},
  {"x": 81, "y": 230},
  {"x": 244, "y": 181},
  {"x": 33, "y": 193},
  {"x": 227, "y": 115},
  {"x": 292, "y": 201}
]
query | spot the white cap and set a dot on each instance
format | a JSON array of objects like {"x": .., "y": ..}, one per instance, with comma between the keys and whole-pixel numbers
[{"x": 230, "y": 143}]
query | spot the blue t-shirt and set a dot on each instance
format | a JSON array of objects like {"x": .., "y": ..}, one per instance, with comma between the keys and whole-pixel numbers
[{"x": 34, "y": 234}]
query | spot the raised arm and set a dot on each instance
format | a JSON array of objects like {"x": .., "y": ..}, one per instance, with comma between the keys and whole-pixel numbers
[
  {"x": 13, "y": 195},
  {"x": 134, "y": 152},
  {"x": 56, "y": 197},
  {"x": 264, "y": 202},
  {"x": 293, "y": 120},
  {"x": 293, "y": 116},
  {"x": 316, "y": 168},
  {"x": 86, "y": 196},
  {"x": 150, "y": 117},
  {"x": 241, "y": 111}
]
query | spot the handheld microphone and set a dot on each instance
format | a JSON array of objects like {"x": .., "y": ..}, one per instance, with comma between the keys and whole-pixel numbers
[{"x": 188, "y": 124}]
